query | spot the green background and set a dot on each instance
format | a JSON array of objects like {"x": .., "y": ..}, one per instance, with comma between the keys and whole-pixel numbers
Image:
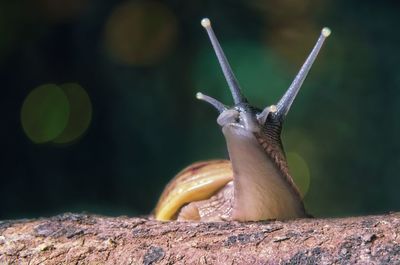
[{"x": 99, "y": 111}]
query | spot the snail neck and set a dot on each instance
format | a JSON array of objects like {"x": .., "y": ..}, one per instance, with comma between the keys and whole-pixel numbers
[{"x": 262, "y": 187}]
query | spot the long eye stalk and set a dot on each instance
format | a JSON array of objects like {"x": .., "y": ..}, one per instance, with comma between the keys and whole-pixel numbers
[
  {"x": 284, "y": 104},
  {"x": 286, "y": 101},
  {"x": 228, "y": 73}
]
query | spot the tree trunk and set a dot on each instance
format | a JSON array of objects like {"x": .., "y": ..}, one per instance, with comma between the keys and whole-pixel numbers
[{"x": 90, "y": 239}]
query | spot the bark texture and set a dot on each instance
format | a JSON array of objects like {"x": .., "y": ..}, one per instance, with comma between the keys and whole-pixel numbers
[{"x": 88, "y": 239}]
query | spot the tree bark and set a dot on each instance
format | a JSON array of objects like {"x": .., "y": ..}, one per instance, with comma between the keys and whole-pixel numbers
[{"x": 90, "y": 239}]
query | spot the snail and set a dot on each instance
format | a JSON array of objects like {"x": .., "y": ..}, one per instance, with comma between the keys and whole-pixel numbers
[{"x": 255, "y": 184}]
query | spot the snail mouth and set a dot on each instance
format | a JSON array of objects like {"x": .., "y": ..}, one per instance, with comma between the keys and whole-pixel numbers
[
  {"x": 237, "y": 130},
  {"x": 234, "y": 126}
]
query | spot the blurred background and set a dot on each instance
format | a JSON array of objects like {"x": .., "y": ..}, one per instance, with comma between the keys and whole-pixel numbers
[{"x": 99, "y": 112}]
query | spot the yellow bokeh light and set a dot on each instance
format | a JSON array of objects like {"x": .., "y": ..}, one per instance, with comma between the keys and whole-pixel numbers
[
  {"x": 141, "y": 33},
  {"x": 293, "y": 42},
  {"x": 299, "y": 171},
  {"x": 45, "y": 113},
  {"x": 61, "y": 10},
  {"x": 80, "y": 113}
]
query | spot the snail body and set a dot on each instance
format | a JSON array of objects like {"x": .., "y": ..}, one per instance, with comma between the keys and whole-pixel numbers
[{"x": 255, "y": 184}]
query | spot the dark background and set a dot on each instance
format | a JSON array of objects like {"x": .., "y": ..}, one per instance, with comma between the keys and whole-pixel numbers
[{"x": 98, "y": 106}]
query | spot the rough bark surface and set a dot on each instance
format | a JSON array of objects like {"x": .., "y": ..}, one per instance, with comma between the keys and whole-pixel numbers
[{"x": 89, "y": 239}]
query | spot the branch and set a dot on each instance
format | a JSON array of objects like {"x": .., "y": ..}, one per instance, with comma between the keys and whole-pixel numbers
[{"x": 89, "y": 239}]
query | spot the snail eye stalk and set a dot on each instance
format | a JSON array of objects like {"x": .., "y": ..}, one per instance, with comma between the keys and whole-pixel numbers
[
  {"x": 226, "y": 68},
  {"x": 286, "y": 101},
  {"x": 215, "y": 103}
]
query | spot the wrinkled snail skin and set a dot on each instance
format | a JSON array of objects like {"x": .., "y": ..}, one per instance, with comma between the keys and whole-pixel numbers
[{"x": 255, "y": 184}]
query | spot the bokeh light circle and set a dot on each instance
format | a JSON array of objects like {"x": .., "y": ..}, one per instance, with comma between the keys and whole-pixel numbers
[
  {"x": 61, "y": 10},
  {"x": 140, "y": 33},
  {"x": 80, "y": 113},
  {"x": 45, "y": 113},
  {"x": 300, "y": 171}
]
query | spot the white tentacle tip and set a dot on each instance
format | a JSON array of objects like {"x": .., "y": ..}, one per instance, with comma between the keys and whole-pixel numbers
[
  {"x": 199, "y": 95},
  {"x": 273, "y": 108},
  {"x": 326, "y": 32},
  {"x": 206, "y": 23}
]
